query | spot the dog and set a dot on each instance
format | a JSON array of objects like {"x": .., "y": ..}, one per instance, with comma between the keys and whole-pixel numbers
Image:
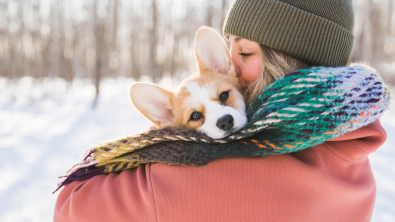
[{"x": 209, "y": 101}]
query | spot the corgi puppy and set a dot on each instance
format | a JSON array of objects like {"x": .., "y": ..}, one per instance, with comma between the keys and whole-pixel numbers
[{"x": 209, "y": 101}]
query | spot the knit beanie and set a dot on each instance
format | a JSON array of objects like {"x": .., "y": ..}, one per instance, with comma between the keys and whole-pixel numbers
[{"x": 319, "y": 32}]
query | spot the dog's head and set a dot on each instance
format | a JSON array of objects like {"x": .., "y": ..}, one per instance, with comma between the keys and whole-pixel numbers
[{"x": 209, "y": 101}]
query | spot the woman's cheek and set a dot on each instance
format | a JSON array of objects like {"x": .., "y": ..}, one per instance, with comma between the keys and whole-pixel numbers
[{"x": 252, "y": 73}]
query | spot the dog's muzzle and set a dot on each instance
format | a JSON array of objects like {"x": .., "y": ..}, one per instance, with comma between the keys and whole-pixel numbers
[{"x": 225, "y": 123}]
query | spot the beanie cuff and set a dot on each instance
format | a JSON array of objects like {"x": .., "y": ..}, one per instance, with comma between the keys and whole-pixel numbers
[{"x": 290, "y": 30}]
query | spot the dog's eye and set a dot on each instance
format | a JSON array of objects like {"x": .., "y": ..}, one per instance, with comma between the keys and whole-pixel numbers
[
  {"x": 224, "y": 96},
  {"x": 195, "y": 116}
]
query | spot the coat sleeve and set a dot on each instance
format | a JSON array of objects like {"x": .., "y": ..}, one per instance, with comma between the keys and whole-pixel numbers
[
  {"x": 356, "y": 145},
  {"x": 127, "y": 196}
]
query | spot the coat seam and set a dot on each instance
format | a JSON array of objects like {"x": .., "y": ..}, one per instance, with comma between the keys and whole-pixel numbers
[
  {"x": 355, "y": 145},
  {"x": 335, "y": 153},
  {"x": 153, "y": 193}
]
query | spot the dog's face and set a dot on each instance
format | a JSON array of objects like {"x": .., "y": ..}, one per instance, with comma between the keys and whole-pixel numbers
[{"x": 209, "y": 101}]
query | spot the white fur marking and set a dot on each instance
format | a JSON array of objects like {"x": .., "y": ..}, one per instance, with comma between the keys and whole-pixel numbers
[{"x": 214, "y": 111}]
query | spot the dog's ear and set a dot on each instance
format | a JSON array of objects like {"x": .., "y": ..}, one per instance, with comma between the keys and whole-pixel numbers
[
  {"x": 212, "y": 52},
  {"x": 153, "y": 102}
]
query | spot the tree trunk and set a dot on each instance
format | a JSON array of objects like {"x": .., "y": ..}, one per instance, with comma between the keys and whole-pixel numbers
[
  {"x": 209, "y": 13},
  {"x": 99, "y": 42},
  {"x": 153, "y": 41},
  {"x": 114, "y": 55}
]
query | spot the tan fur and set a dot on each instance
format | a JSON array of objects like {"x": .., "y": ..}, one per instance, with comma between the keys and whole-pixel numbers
[
  {"x": 215, "y": 77},
  {"x": 182, "y": 105}
]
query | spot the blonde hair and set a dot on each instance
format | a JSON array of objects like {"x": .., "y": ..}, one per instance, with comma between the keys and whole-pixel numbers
[{"x": 275, "y": 65}]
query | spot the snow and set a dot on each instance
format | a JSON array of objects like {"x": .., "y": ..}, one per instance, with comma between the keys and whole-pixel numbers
[
  {"x": 383, "y": 165},
  {"x": 46, "y": 126}
]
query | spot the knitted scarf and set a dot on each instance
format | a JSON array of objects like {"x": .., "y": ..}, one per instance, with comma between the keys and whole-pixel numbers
[{"x": 299, "y": 110}]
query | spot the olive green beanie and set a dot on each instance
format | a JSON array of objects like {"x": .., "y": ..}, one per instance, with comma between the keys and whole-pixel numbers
[{"x": 319, "y": 32}]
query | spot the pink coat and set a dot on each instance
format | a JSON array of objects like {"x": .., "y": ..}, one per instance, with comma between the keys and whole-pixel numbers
[{"x": 329, "y": 182}]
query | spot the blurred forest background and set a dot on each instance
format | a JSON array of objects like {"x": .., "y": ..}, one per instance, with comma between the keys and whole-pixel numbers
[{"x": 91, "y": 40}]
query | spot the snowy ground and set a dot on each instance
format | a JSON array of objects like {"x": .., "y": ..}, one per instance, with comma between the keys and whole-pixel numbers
[{"x": 46, "y": 127}]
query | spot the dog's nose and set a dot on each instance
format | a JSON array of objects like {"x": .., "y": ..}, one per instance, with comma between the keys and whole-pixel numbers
[{"x": 225, "y": 123}]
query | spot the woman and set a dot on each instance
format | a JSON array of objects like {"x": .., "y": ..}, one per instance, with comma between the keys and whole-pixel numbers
[{"x": 332, "y": 181}]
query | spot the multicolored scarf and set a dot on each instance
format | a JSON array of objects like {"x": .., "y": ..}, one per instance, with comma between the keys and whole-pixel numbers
[{"x": 300, "y": 110}]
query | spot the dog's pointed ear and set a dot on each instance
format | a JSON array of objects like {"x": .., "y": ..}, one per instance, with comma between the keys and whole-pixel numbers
[
  {"x": 212, "y": 53},
  {"x": 153, "y": 102}
]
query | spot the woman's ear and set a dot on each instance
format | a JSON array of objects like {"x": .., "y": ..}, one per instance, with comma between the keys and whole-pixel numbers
[
  {"x": 212, "y": 52},
  {"x": 153, "y": 102}
]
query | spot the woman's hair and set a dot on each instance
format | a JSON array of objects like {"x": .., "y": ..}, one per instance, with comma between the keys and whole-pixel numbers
[{"x": 275, "y": 65}]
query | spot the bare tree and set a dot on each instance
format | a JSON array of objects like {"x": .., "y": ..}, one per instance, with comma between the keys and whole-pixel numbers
[
  {"x": 134, "y": 49},
  {"x": 209, "y": 13},
  {"x": 153, "y": 41},
  {"x": 114, "y": 54},
  {"x": 90, "y": 40},
  {"x": 4, "y": 31},
  {"x": 99, "y": 43}
]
